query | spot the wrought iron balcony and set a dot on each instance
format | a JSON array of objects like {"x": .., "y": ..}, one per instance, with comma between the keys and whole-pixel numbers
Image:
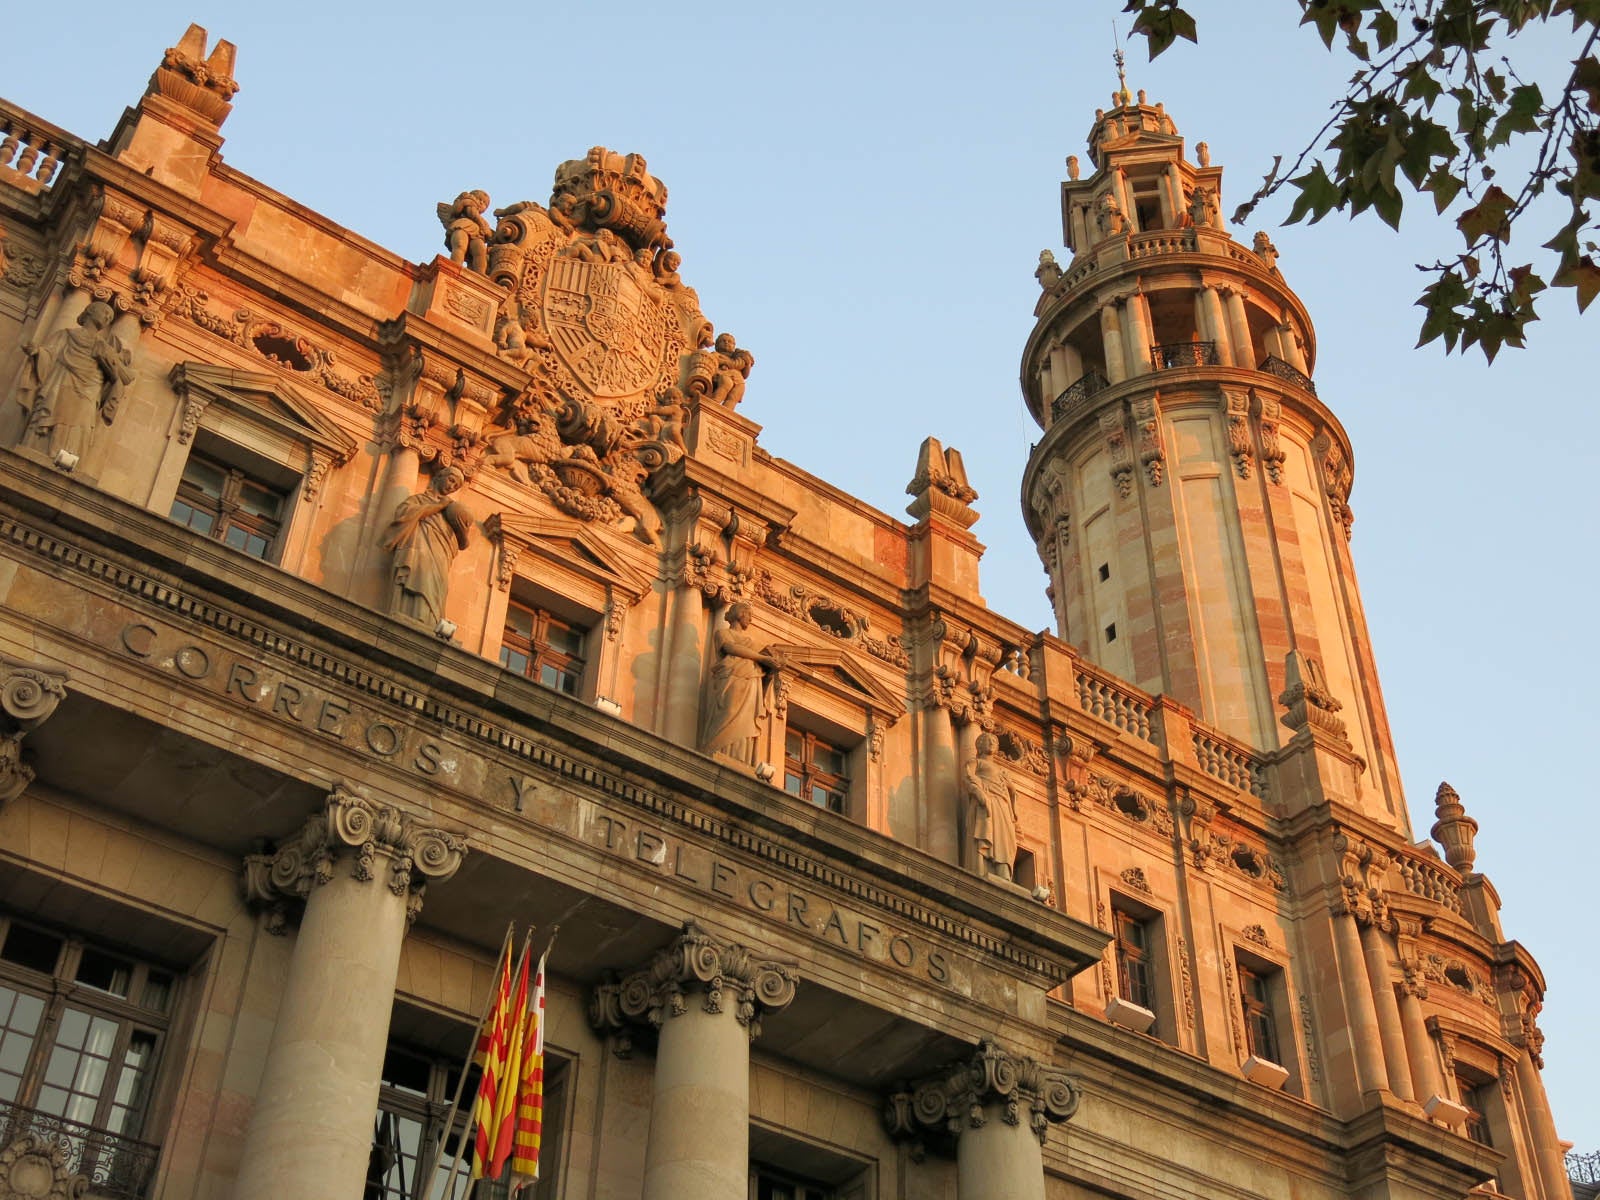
[
  {"x": 1584, "y": 1168},
  {"x": 1091, "y": 383},
  {"x": 1184, "y": 354},
  {"x": 116, "y": 1167},
  {"x": 1273, "y": 365}
]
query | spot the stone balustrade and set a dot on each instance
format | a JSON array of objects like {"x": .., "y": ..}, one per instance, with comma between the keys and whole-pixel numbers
[
  {"x": 1114, "y": 703},
  {"x": 1432, "y": 880},
  {"x": 31, "y": 150},
  {"x": 1230, "y": 762}
]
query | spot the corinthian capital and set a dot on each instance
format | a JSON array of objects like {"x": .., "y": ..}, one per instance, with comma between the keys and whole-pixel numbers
[
  {"x": 722, "y": 973},
  {"x": 28, "y": 695},
  {"x": 377, "y": 839},
  {"x": 955, "y": 1098}
]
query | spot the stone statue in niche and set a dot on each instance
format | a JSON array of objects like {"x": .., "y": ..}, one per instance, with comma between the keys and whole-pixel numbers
[
  {"x": 736, "y": 691},
  {"x": 466, "y": 233},
  {"x": 991, "y": 810},
  {"x": 71, "y": 384},
  {"x": 427, "y": 531},
  {"x": 1108, "y": 216},
  {"x": 730, "y": 371}
]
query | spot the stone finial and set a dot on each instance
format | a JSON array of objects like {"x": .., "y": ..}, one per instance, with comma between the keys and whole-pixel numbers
[
  {"x": 954, "y": 1098},
  {"x": 1307, "y": 699},
  {"x": 1073, "y": 169},
  {"x": 1202, "y": 154},
  {"x": 381, "y": 836},
  {"x": 1048, "y": 272},
  {"x": 1454, "y": 830},
  {"x": 940, "y": 486},
  {"x": 695, "y": 961},
  {"x": 28, "y": 695},
  {"x": 200, "y": 83}
]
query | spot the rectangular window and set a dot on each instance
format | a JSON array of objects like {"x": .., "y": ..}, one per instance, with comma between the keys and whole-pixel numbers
[
  {"x": 224, "y": 503},
  {"x": 1135, "y": 974},
  {"x": 81, "y": 1033},
  {"x": 544, "y": 647},
  {"x": 1475, "y": 1101},
  {"x": 816, "y": 771},
  {"x": 1260, "y": 1021},
  {"x": 768, "y": 1184}
]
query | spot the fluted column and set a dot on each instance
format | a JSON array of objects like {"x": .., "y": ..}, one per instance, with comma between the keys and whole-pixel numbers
[
  {"x": 1362, "y": 1016},
  {"x": 1140, "y": 338},
  {"x": 1425, "y": 1078},
  {"x": 360, "y": 868},
  {"x": 996, "y": 1109},
  {"x": 1547, "y": 1154},
  {"x": 704, "y": 998},
  {"x": 1216, "y": 325}
]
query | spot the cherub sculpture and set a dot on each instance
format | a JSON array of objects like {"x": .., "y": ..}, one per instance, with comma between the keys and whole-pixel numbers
[
  {"x": 466, "y": 233},
  {"x": 730, "y": 371}
]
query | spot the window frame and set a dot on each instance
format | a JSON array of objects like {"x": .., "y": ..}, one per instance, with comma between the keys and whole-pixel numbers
[
  {"x": 1143, "y": 956},
  {"x": 226, "y": 512},
  {"x": 537, "y": 651},
  {"x": 810, "y": 777}
]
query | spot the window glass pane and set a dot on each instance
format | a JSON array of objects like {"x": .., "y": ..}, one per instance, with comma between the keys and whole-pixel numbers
[
  {"x": 14, "y": 1047},
  {"x": 550, "y": 677},
  {"x": 73, "y": 1028},
  {"x": 257, "y": 546},
  {"x": 794, "y": 744},
  {"x": 204, "y": 477},
  {"x": 260, "y": 501},
  {"x": 792, "y": 784},
  {"x": 157, "y": 991},
  {"x": 236, "y": 537},
  {"x": 566, "y": 639},
  {"x": 33, "y": 948},
  {"x": 104, "y": 972},
  {"x": 828, "y": 759},
  {"x": 519, "y": 621},
  {"x": 201, "y": 522}
]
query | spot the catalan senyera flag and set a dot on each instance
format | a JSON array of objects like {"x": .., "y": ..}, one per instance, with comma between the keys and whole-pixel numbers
[
  {"x": 491, "y": 1057},
  {"x": 529, "y": 1129},
  {"x": 503, "y": 1121}
]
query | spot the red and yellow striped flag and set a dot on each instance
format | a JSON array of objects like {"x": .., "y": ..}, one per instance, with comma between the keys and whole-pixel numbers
[
  {"x": 530, "y": 1088},
  {"x": 503, "y": 1122},
  {"x": 491, "y": 1057}
]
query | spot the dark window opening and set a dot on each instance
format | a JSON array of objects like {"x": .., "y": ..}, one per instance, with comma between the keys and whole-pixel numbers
[
  {"x": 816, "y": 770},
  {"x": 225, "y": 503},
  {"x": 1111, "y": 632},
  {"x": 1260, "y": 1021},
  {"x": 1105, "y": 571},
  {"x": 1135, "y": 975},
  {"x": 543, "y": 647}
]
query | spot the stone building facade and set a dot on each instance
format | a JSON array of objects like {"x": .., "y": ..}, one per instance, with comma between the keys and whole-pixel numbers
[{"x": 352, "y": 608}]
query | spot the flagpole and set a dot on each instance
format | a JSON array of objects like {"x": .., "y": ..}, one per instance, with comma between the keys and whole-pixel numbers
[
  {"x": 461, "y": 1146},
  {"x": 466, "y": 1067}
]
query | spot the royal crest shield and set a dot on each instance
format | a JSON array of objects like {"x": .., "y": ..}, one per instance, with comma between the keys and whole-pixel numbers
[{"x": 606, "y": 328}]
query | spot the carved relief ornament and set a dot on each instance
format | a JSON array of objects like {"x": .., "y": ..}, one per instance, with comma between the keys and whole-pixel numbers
[
  {"x": 375, "y": 837},
  {"x": 37, "y": 1166},
  {"x": 722, "y": 973},
  {"x": 955, "y": 1098},
  {"x": 28, "y": 695}
]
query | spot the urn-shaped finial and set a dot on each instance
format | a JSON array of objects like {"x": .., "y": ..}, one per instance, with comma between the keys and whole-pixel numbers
[{"x": 1454, "y": 830}]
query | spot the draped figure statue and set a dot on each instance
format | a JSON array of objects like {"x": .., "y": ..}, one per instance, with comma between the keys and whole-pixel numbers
[
  {"x": 72, "y": 382},
  {"x": 427, "y": 531},
  {"x": 729, "y": 722},
  {"x": 991, "y": 811}
]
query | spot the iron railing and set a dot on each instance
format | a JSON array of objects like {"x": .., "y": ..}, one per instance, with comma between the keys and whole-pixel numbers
[
  {"x": 1091, "y": 383},
  {"x": 1273, "y": 365},
  {"x": 1185, "y": 354},
  {"x": 1584, "y": 1168},
  {"x": 117, "y": 1167}
]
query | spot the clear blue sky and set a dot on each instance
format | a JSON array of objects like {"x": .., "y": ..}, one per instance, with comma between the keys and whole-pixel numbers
[{"x": 860, "y": 193}]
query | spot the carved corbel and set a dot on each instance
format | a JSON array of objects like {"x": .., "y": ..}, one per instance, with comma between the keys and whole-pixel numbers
[
  {"x": 1337, "y": 477},
  {"x": 722, "y": 974},
  {"x": 1236, "y": 407},
  {"x": 28, "y": 695},
  {"x": 1113, "y": 428},
  {"x": 380, "y": 841},
  {"x": 164, "y": 248},
  {"x": 1147, "y": 423},
  {"x": 114, "y": 220},
  {"x": 1269, "y": 414},
  {"x": 966, "y": 1093}
]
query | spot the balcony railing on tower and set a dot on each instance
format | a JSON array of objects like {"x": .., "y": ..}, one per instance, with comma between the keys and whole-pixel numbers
[
  {"x": 1091, "y": 383},
  {"x": 1273, "y": 365},
  {"x": 1184, "y": 354},
  {"x": 117, "y": 1167},
  {"x": 1584, "y": 1168}
]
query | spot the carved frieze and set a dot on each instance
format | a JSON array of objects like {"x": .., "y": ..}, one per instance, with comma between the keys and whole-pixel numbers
[
  {"x": 960, "y": 1097},
  {"x": 377, "y": 839},
  {"x": 722, "y": 974},
  {"x": 832, "y": 616}
]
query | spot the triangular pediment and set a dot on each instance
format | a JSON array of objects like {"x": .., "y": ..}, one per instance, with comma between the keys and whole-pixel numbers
[
  {"x": 573, "y": 545},
  {"x": 263, "y": 399},
  {"x": 842, "y": 673}
]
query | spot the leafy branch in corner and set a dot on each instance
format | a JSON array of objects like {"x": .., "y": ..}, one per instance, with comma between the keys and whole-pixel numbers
[{"x": 1437, "y": 107}]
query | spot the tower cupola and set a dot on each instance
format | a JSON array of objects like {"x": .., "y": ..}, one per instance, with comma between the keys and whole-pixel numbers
[{"x": 1189, "y": 497}]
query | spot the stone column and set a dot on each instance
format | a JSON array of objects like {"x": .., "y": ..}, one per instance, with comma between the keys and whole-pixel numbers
[
  {"x": 704, "y": 998},
  {"x": 1548, "y": 1159},
  {"x": 360, "y": 868},
  {"x": 1216, "y": 325},
  {"x": 1425, "y": 1080},
  {"x": 993, "y": 1111},
  {"x": 1365, "y": 1040},
  {"x": 1244, "y": 351},
  {"x": 1140, "y": 338},
  {"x": 1388, "y": 1010},
  {"x": 1111, "y": 336}
]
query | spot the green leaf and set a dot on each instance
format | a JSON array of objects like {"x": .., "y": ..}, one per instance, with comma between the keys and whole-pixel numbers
[
  {"x": 1421, "y": 85},
  {"x": 1521, "y": 114},
  {"x": 1586, "y": 78},
  {"x": 1584, "y": 276},
  {"x": 1444, "y": 185},
  {"x": 1385, "y": 28},
  {"x": 1318, "y": 196}
]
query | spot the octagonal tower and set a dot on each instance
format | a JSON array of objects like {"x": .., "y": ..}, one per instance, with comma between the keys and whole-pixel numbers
[{"x": 1189, "y": 497}]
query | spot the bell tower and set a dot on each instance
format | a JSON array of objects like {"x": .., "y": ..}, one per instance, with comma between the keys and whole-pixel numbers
[{"x": 1190, "y": 495}]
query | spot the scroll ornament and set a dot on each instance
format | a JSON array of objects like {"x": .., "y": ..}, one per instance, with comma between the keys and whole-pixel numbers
[
  {"x": 955, "y": 1099},
  {"x": 28, "y": 695},
  {"x": 724, "y": 973},
  {"x": 383, "y": 839}
]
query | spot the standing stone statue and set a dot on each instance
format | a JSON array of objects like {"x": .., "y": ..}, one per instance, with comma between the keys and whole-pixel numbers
[
  {"x": 734, "y": 694},
  {"x": 466, "y": 233},
  {"x": 72, "y": 382},
  {"x": 991, "y": 810},
  {"x": 427, "y": 531},
  {"x": 731, "y": 370}
]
